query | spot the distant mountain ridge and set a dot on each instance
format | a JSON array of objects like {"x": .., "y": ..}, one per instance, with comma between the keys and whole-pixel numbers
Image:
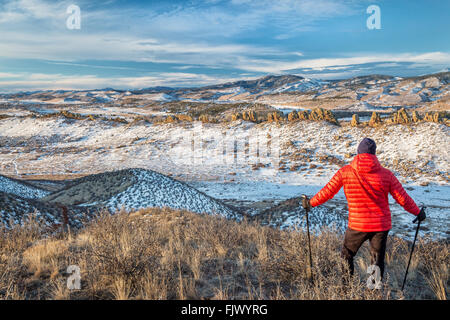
[
  {"x": 380, "y": 91},
  {"x": 265, "y": 82}
]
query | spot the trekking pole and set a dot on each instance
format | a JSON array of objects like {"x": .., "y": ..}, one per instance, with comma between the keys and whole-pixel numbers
[
  {"x": 412, "y": 250},
  {"x": 309, "y": 239}
]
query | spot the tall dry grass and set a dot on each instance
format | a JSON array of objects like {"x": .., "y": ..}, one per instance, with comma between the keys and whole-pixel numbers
[{"x": 168, "y": 254}]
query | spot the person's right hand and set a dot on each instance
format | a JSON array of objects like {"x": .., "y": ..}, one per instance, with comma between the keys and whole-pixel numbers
[{"x": 421, "y": 216}]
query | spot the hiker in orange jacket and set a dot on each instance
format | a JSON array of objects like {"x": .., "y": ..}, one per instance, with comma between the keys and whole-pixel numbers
[{"x": 366, "y": 187}]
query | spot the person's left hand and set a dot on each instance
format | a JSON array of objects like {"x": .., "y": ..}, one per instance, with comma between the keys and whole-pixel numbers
[{"x": 305, "y": 202}]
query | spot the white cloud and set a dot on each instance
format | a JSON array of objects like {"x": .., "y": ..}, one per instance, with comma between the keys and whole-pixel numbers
[
  {"x": 74, "y": 47},
  {"x": 331, "y": 75},
  {"x": 193, "y": 33},
  {"x": 270, "y": 66},
  {"x": 315, "y": 8},
  {"x": 388, "y": 65},
  {"x": 89, "y": 65},
  {"x": 19, "y": 10},
  {"x": 242, "y": 16},
  {"x": 37, "y": 81},
  {"x": 7, "y": 75}
]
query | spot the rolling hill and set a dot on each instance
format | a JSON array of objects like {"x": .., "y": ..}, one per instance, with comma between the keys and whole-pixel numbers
[
  {"x": 134, "y": 189},
  {"x": 131, "y": 189},
  {"x": 20, "y": 188}
]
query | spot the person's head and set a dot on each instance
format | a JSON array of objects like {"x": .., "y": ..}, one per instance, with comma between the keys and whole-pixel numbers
[{"x": 367, "y": 145}]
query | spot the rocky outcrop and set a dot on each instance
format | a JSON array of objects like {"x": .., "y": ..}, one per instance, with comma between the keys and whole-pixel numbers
[
  {"x": 184, "y": 117},
  {"x": 375, "y": 120},
  {"x": 355, "y": 121},
  {"x": 436, "y": 117},
  {"x": 204, "y": 118},
  {"x": 320, "y": 114},
  {"x": 249, "y": 115},
  {"x": 303, "y": 115},
  {"x": 170, "y": 119},
  {"x": 274, "y": 117},
  {"x": 415, "y": 116},
  {"x": 401, "y": 117},
  {"x": 236, "y": 116},
  {"x": 293, "y": 116}
]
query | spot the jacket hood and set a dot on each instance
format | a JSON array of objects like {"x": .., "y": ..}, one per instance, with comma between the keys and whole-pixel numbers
[{"x": 366, "y": 162}]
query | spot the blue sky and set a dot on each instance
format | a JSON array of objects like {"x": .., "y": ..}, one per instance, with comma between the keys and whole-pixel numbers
[{"x": 136, "y": 44}]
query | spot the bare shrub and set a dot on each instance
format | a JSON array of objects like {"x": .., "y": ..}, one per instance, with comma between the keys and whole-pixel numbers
[{"x": 169, "y": 254}]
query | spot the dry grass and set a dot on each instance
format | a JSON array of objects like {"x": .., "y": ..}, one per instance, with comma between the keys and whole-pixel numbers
[{"x": 168, "y": 254}]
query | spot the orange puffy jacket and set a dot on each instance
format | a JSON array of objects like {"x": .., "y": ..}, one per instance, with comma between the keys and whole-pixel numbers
[{"x": 366, "y": 186}]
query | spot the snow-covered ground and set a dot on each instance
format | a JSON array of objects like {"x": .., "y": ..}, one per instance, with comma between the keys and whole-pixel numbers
[
  {"x": 58, "y": 146},
  {"x": 20, "y": 189},
  {"x": 436, "y": 199},
  {"x": 239, "y": 160}
]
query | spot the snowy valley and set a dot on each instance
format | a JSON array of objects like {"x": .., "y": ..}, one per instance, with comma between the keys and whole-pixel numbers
[{"x": 218, "y": 150}]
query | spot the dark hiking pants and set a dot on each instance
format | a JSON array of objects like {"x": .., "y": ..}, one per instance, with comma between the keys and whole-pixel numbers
[{"x": 354, "y": 239}]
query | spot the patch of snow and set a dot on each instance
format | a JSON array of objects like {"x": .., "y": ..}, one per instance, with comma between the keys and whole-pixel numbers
[
  {"x": 156, "y": 190},
  {"x": 20, "y": 189}
]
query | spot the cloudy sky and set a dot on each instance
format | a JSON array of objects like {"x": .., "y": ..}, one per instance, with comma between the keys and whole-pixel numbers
[{"x": 136, "y": 44}]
